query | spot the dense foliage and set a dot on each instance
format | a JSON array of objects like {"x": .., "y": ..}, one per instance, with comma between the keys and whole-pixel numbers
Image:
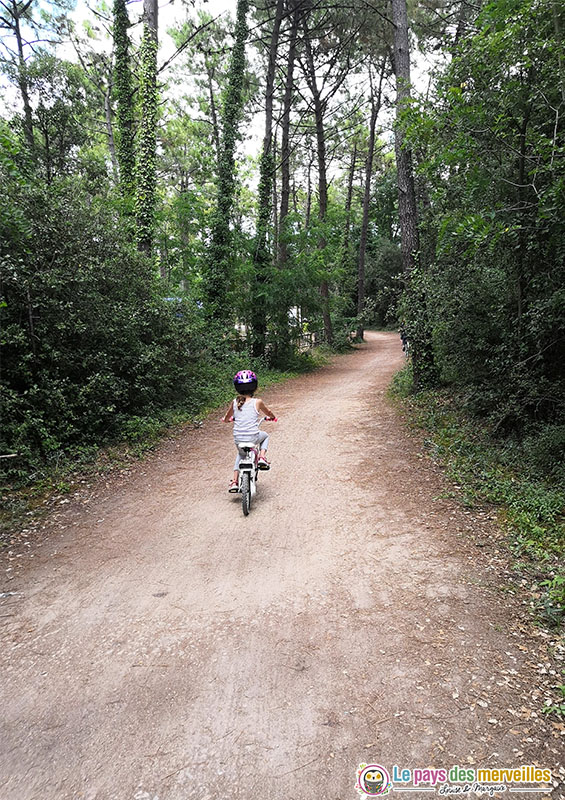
[
  {"x": 491, "y": 162},
  {"x": 137, "y": 252},
  {"x": 87, "y": 341}
]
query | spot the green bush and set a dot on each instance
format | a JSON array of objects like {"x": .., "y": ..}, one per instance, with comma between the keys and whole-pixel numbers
[
  {"x": 86, "y": 339},
  {"x": 490, "y": 161}
]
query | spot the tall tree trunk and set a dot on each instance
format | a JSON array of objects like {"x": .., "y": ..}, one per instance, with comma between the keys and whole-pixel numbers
[
  {"x": 418, "y": 326},
  {"x": 265, "y": 196},
  {"x": 110, "y": 129},
  {"x": 523, "y": 203},
  {"x": 322, "y": 213},
  {"x": 124, "y": 101},
  {"x": 283, "y": 331},
  {"x": 347, "y": 229},
  {"x": 218, "y": 268},
  {"x": 282, "y": 253},
  {"x": 308, "y": 210},
  {"x": 276, "y": 221},
  {"x": 48, "y": 156},
  {"x": 407, "y": 211},
  {"x": 322, "y": 179},
  {"x": 559, "y": 39},
  {"x": 365, "y": 222},
  {"x": 22, "y": 76},
  {"x": 146, "y": 166},
  {"x": 213, "y": 112},
  {"x": 375, "y": 109}
]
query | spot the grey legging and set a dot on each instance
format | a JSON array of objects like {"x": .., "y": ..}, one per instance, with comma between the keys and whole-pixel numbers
[{"x": 262, "y": 439}]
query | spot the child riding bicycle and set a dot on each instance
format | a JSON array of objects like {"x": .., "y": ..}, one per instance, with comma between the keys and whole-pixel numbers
[{"x": 247, "y": 413}]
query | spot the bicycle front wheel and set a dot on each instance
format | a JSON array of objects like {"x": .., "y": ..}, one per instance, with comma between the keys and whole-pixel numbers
[{"x": 245, "y": 493}]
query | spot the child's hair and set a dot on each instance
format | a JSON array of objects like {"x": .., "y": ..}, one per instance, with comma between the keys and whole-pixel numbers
[{"x": 241, "y": 398}]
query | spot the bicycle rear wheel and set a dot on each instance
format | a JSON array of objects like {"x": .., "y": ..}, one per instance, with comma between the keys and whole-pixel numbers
[{"x": 245, "y": 493}]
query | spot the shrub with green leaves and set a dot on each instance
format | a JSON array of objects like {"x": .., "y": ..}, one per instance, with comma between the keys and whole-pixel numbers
[
  {"x": 491, "y": 158},
  {"x": 86, "y": 338}
]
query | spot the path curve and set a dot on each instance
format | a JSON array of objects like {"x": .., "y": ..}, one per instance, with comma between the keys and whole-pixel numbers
[{"x": 162, "y": 646}]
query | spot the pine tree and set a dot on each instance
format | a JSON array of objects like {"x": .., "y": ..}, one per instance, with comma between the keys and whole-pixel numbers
[{"x": 418, "y": 324}]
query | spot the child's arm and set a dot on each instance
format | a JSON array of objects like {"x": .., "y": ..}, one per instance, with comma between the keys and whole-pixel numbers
[
  {"x": 229, "y": 413},
  {"x": 263, "y": 408}
]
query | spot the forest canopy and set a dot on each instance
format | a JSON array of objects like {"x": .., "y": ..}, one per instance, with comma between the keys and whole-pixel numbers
[{"x": 188, "y": 195}]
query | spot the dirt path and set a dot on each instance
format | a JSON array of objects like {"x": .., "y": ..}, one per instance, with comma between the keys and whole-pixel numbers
[{"x": 162, "y": 646}]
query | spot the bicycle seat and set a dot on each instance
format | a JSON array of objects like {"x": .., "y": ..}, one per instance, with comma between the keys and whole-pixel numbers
[{"x": 247, "y": 445}]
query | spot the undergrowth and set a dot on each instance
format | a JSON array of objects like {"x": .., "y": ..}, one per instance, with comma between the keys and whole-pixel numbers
[
  {"x": 61, "y": 473},
  {"x": 523, "y": 479}
]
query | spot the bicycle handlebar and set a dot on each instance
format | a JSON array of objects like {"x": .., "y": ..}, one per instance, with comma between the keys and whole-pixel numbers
[{"x": 266, "y": 419}]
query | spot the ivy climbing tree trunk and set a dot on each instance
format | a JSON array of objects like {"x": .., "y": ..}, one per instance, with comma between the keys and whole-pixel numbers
[
  {"x": 417, "y": 325},
  {"x": 218, "y": 268},
  {"x": 145, "y": 199},
  {"x": 265, "y": 198},
  {"x": 125, "y": 150}
]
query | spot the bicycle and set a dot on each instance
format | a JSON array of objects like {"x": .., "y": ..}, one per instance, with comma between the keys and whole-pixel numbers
[{"x": 249, "y": 469}]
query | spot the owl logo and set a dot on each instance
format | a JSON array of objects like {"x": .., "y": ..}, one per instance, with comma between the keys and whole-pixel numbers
[{"x": 373, "y": 780}]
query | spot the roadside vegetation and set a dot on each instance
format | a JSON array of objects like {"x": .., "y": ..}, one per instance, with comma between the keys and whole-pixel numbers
[
  {"x": 146, "y": 254},
  {"x": 130, "y": 438},
  {"x": 522, "y": 479}
]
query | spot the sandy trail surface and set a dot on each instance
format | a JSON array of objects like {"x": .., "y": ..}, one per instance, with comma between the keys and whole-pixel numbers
[{"x": 161, "y": 645}]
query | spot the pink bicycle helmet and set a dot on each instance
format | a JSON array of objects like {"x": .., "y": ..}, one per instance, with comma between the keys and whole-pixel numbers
[{"x": 245, "y": 381}]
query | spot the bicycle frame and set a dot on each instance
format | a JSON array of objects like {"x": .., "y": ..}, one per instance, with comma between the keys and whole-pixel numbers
[{"x": 249, "y": 456}]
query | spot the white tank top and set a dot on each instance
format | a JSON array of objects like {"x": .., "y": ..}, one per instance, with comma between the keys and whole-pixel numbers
[{"x": 245, "y": 421}]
